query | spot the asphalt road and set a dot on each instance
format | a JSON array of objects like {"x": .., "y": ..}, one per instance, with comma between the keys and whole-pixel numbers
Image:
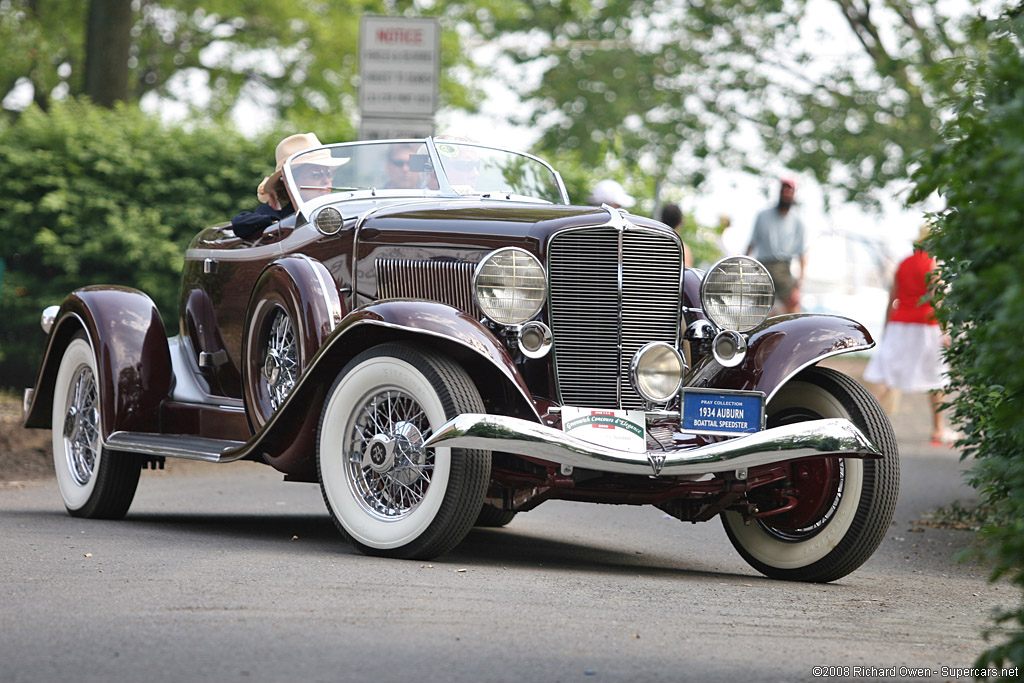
[{"x": 226, "y": 573}]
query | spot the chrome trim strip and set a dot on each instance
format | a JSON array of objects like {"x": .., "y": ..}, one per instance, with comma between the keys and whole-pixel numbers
[
  {"x": 834, "y": 436},
  {"x": 172, "y": 445},
  {"x": 619, "y": 227}
]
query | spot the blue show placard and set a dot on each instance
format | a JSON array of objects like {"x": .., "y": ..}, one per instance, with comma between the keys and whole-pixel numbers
[{"x": 722, "y": 412}]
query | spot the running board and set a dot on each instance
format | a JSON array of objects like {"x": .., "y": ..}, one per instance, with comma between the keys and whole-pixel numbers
[{"x": 173, "y": 446}]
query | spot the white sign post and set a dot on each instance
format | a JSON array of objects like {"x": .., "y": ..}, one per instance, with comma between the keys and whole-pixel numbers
[{"x": 399, "y": 70}]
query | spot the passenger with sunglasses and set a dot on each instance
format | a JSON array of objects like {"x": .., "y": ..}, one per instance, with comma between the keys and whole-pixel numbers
[{"x": 399, "y": 170}]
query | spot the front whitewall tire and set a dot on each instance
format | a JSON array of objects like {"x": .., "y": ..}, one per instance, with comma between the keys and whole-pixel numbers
[
  {"x": 857, "y": 511},
  {"x": 411, "y": 502},
  {"x": 372, "y": 376}
]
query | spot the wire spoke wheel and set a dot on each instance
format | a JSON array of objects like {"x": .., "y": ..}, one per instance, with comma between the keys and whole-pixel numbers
[
  {"x": 387, "y": 493},
  {"x": 94, "y": 481},
  {"x": 81, "y": 430},
  {"x": 389, "y": 470},
  {"x": 281, "y": 360}
]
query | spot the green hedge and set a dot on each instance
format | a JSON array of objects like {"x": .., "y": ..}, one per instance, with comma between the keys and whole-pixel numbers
[
  {"x": 979, "y": 170},
  {"x": 96, "y": 196}
]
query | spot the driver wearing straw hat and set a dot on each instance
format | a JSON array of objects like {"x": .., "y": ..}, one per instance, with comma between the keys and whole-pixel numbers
[{"x": 313, "y": 173}]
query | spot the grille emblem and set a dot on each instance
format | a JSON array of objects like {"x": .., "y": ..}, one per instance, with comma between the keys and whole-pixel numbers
[{"x": 657, "y": 462}]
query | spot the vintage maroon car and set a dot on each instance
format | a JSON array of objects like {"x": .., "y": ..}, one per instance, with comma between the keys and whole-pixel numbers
[{"x": 455, "y": 344}]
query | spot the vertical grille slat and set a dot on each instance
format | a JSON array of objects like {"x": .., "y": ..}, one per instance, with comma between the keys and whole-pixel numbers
[
  {"x": 447, "y": 282},
  {"x": 587, "y": 318}
]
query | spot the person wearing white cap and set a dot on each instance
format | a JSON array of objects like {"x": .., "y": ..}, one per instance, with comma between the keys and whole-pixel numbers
[
  {"x": 610, "y": 192},
  {"x": 276, "y": 202}
]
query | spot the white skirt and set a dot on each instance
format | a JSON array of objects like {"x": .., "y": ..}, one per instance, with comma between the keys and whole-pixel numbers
[{"x": 909, "y": 358}]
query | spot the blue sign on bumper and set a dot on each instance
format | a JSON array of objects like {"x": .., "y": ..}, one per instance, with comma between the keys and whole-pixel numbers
[{"x": 722, "y": 412}]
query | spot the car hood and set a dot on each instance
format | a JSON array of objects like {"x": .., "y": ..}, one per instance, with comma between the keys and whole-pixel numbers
[{"x": 481, "y": 223}]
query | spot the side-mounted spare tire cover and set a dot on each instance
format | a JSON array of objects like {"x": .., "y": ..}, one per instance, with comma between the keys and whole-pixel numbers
[{"x": 293, "y": 309}]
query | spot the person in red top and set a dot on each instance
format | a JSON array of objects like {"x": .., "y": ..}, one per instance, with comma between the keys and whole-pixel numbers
[{"x": 909, "y": 357}]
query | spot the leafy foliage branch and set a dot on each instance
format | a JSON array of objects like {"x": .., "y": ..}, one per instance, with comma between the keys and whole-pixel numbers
[{"x": 979, "y": 170}]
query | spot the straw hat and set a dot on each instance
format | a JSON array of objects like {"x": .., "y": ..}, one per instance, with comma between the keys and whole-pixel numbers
[{"x": 293, "y": 144}]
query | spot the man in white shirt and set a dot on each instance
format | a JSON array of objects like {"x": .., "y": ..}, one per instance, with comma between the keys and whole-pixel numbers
[{"x": 778, "y": 239}]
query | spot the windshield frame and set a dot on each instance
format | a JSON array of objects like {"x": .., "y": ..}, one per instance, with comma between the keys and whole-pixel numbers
[{"x": 305, "y": 207}]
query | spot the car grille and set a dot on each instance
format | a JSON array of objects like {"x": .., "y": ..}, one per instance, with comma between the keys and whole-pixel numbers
[
  {"x": 591, "y": 316},
  {"x": 448, "y": 282}
]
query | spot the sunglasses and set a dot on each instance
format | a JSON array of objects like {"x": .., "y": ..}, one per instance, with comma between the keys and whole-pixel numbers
[{"x": 399, "y": 163}]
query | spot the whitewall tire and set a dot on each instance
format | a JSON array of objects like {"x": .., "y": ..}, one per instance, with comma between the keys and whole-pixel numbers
[
  {"x": 94, "y": 481},
  {"x": 844, "y": 505},
  {"x": 386, "y": 493}
]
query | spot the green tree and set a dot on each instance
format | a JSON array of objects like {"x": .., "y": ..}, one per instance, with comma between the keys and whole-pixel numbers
[
  {"x": 677, "y": 87},
  {"x": 979, "y": 170},
  {"x": 296, "y": 58}
]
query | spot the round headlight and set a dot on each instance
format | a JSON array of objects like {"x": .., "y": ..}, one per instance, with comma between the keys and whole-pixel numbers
[
  {"x": 509, "y": 286},
  {"x": 657, "y": 371},
  {"x": 737, "y": 293}
]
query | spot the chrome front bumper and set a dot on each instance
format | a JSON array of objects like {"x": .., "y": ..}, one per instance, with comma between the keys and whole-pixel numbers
[{"x": 833, "y": 436}]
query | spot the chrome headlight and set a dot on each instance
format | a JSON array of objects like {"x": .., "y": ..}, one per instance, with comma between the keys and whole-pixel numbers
[
  {"x": 657, "y": 371},
  {"x": 509, "y": 286},
  {"x": 534, "y": 339},
  {"x": 328, "y": 220},
  {"x": 737, "y": 293}
]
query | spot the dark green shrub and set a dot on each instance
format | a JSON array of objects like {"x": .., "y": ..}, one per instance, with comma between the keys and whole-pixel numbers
[
  {"x": 979, "y": 170},
  {"x": 94, "y": 196}
]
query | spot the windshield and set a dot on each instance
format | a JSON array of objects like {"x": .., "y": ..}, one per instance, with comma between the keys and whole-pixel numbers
[{"x": 419, "y": 168}]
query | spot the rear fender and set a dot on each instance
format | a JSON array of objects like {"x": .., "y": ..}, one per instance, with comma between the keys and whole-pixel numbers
[
  {"x": 127, "y": 336},
  {"x": 780, "y": 349}
]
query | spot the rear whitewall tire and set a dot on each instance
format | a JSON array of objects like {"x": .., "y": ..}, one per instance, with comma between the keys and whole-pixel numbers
[{"x": 94, "y": 482}]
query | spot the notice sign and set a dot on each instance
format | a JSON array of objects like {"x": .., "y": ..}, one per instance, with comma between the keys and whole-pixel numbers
[
  {"x": 717, "y": 412},
  {"x": 625, "y": 430},
  {"x": 399, "y": 66}
]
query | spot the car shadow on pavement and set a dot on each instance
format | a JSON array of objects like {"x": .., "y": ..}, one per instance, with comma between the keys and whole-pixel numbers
[{"x": 512, "y": 548}]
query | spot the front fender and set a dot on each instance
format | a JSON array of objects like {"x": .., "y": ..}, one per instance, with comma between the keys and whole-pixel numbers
[
  {"x": 435, "y": 322},
  {"x": 286, "y": 438},
  {"x": 780, "y": 349},
  {"x": 127, "y": 335}
]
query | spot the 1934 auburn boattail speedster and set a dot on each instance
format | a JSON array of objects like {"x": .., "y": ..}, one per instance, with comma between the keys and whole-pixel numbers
[{"x": 460, "y": 349}]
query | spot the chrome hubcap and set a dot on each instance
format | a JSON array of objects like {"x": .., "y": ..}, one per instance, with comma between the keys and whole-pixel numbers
[
  {"x": 81, "y": 429},
  {"x": 388, "y": 469},
  {"x": 280, "y": 367}
]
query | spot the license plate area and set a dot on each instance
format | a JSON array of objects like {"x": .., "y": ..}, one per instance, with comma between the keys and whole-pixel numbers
[
  {"x": 625, "y": 430},
  {"x": 713, "y": 411}
]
